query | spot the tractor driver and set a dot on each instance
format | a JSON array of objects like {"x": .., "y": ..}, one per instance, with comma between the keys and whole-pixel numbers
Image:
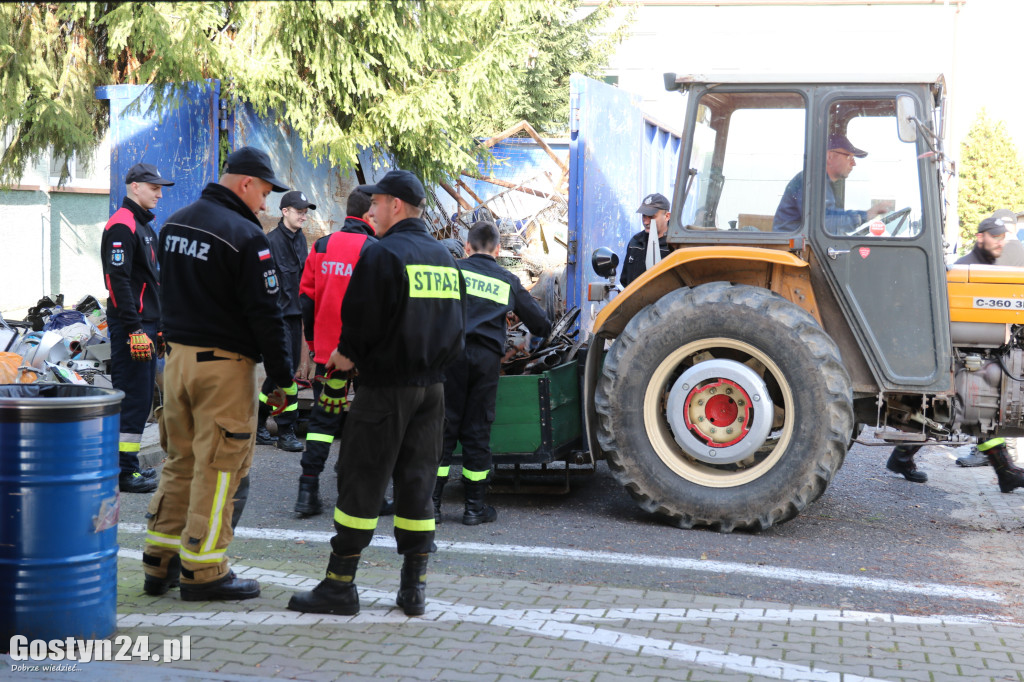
[{"x": 839, "y": 162}]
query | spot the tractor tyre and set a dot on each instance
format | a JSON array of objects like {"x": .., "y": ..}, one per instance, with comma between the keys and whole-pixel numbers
[{"x": 724, "y": 406}]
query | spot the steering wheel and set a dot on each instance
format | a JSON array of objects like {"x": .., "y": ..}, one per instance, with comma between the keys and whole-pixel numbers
[
  {"x": 900, "y": 215},
  {"x": 888, "y": 218}
]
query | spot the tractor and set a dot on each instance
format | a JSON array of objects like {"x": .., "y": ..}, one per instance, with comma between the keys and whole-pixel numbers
[{"x": 806, "y": 295}]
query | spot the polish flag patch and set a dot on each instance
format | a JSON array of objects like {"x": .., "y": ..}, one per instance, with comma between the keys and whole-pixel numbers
[
  {"x": 117, "y": 245},
  {"x": 264, "y": 254}
]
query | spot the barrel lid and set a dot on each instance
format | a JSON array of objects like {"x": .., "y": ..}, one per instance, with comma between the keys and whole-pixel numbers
[{"x": 51, "y": 402}]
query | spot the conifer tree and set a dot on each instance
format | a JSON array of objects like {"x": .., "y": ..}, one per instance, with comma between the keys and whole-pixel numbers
[
  {"x": 991, "y": 175},
  {"x": 419, "y": 80}
]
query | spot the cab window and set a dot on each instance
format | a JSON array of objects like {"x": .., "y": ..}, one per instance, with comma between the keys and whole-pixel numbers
[
  {"x": 872, "y": 187},
  {"x": 746, "y": 146}
]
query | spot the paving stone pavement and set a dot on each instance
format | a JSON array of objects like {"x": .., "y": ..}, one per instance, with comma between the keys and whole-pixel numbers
[
  {"x": 502, "y": 630},
  {"x": 480, "y": 630}
]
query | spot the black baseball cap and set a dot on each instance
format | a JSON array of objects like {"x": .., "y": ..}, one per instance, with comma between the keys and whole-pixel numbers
[
  {"x": 996, "y": 226},
  {"x": 400, "y": 184},
  {"x": 296, "y": 199},
  {"x": 840, "y": 141},
  {"x": 256, "y": 163},
  {"x": 145, "y": 172},
  {"x": 653, "y": 203}
]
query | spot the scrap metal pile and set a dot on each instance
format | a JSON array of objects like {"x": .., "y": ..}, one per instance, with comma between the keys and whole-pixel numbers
[
  {"x": 54, "y": 344},
  {"x": 532, "y": 216},
  {"x": 559, "y": 347},
  {"x": 531, "y": 210}
]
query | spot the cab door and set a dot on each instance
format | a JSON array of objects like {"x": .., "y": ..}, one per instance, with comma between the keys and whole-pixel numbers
[{"x": 873, "y": 219}]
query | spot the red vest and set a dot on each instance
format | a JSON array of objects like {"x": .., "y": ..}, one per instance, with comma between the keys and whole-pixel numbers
[{"x": 325, "y": 279}]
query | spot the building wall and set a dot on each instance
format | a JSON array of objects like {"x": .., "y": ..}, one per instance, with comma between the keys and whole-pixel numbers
[{"x": 50, "y": 235}]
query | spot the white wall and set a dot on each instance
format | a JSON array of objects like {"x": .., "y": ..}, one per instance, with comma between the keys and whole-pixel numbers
[{"x": 50, "y": 236}]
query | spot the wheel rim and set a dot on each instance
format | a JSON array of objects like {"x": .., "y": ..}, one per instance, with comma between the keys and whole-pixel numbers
[
  {"x": 720, "y": 411},
  {"x": 671, "y": 411}
]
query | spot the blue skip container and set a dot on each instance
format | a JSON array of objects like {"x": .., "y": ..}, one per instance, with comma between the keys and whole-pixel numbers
[{"x": 58, "y": 511}]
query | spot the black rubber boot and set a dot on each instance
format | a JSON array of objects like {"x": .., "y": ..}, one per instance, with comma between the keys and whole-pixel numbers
[
  {"x": 477, "y": 509},
  {"x": 228, "y": 588},
  {"x": 135, "y": 482},
  {"x": 1010, "y": 477},
  {"x": 309, "y": 503},
  {"x": 438, "y": 489},
  {"x": 412, "y": 591},
  {"x": 336, "y": 593},
  {"x": 154, "y": 586},
  {"x": 901, "y": 462},
  {"x": 288, "y": 441},
  {"x": 263, "y": 436}
]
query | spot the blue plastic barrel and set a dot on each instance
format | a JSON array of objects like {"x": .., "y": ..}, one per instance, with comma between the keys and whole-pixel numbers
[{"x": 58, "y": 511}]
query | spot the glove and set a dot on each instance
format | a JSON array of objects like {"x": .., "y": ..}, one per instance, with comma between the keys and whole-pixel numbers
[
  {"x": 141, "y": 346},
  {"x": 161, "y": 345},
  {"x": 284, "y": 399},
  {"x": 334, "y": 395}
]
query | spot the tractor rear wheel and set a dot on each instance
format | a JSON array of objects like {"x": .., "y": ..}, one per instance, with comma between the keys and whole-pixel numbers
[{"x": 724, "y": 406}]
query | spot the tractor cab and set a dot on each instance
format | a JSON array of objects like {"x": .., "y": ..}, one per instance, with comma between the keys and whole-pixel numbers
[{"x": 805, "y": 293}]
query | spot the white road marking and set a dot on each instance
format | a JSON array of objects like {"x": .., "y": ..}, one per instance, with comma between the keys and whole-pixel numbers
[
  {"x": 674, "y": 563},
  {"x": 568, "y": 623}
]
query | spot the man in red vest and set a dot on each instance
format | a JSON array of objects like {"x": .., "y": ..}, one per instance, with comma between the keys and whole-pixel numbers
[
  {"x": 324, "y": 282},
  {"x": 130, "y": 273}
]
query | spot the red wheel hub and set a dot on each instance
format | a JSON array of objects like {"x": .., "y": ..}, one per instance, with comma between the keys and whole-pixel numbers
[{"x": 718, "y": 412}]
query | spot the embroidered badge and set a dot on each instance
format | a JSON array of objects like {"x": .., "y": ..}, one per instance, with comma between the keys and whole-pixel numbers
[{"x": 270, "y": 280}]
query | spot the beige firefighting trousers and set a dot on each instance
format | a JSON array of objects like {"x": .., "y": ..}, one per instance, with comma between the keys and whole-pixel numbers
[{"x": 207, "y": 429}]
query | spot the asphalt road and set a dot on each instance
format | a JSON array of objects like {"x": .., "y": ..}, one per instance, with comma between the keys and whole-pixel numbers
[{"x": 872, "y": 542}]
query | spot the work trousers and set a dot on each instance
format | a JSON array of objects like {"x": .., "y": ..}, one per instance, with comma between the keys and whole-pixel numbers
[
  {"x": 207, "y": 427},
  {"x": 293, "y": 332},
  {"x": 136, "y": 378},
  {"x": 323, "y": 429},
  {"x": 392, "y": 432},
  {"x": 470, "y": 392}
]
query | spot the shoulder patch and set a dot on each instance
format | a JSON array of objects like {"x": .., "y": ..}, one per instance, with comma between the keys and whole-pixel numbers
[{"x": 270, "y": 281}]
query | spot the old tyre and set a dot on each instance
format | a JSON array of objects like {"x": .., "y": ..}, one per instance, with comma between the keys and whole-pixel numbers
[{"x": 724, "y": 406}]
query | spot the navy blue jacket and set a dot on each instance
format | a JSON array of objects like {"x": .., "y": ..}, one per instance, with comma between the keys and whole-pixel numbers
[
  {"x": 636, "y": 255},
  {"x": 290, "y": 251},
  {"x": 128, "y": 254},
  {"x": 492, "y": 291},
  {"x": 403, "y": 315},
  {"x": 220, "y": 283}
]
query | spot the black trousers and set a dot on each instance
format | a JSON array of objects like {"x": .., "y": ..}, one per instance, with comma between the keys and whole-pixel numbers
[
  {"x": 293, "y": 328},
  {"x": 392, "y": 432},
  {"x": 470, "y": 392},
  {"x": 323, "y": 428},
  {"x": 136, "y": 379}
]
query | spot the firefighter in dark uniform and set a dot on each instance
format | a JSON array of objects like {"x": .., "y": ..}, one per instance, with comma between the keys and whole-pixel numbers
[
  {"x": 471, "y": 383},
  {"x": 402, "y": 325},
  {"x": 221, "y": 316},
  {"x": 325, "y": 279},
  {"x": 288, "y": 244},
  {"x": 128, "y": 253}
]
